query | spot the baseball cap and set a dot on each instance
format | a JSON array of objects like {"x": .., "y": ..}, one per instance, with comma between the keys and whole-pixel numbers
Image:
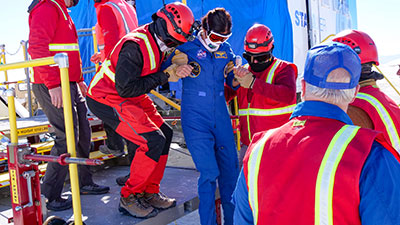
[{"x": 324, "y": 58}]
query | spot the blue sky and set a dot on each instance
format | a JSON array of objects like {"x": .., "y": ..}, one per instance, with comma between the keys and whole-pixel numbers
[{"x": 380, "y": 19}]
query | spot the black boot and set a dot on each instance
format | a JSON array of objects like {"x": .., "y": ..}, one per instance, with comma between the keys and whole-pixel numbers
[{"x": 122, "y": 180}]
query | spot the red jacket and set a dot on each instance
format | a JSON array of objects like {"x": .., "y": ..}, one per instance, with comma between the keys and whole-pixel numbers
[
  {"x": 383, "y": 111},
  {"x": 112, "y": 25},
  {"x": 52, "y": 31},
  {"x": 335, "y": 156},
  {"x": 102, "y": 85},
  {"x": 270, "y": 102}
]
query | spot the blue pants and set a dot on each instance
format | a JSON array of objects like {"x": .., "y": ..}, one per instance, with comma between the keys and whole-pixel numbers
[{"x": 214, "y": 154}]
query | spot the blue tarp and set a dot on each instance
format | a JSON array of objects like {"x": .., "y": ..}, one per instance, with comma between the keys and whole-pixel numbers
[
  {"x": 84, "y": 16},
  {"x": 273, "y": 13}
]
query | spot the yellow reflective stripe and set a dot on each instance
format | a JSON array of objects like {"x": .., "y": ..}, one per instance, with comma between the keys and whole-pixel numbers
[
  {"x": 271, "y": 112},
  {"x": 245, "y": 112},
  {"x": 271, "y": 73},
  {"x": 385, "y": 117},
  {"x": 63, "y": 47},
  {"x": 248, "y": 123},
  {"x": 122, "y": 15},
  {"x": 253, "y": 168},
  {"x": 65, "y": 16},
  {"x": 149, "y": 49},
  {"x": 104, "y": 70},
  {"x": 327, "y": 172}
]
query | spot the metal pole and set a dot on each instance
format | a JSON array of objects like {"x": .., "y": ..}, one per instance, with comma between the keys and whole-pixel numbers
[
  {"x": 3, "y": 59},
  {"x": 95, "y": 44},
  {"x": 30, "y": 63},
  {"x": 28, "y": 80},
  {"x": 165, "y": 99},
  {"x": 62, "y": 60},
  {"x": 12, "y": 116}
]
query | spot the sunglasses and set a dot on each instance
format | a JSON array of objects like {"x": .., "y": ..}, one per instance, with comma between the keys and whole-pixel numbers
[
  {"x": 216, "y": 37},
  {"x": 254, "y": 45},
  {"x": 259, "y": 57},
  {"x": 188, "y": 36}
]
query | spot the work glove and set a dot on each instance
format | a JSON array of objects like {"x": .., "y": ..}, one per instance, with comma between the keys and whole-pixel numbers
[
  {"x": 179, "y": 68},
  {"x": 176, "y": 72},
  {"x": 247, "y": 80},
  {"x": 228, "y": 68},
  {"x": 179, "y": 58}
]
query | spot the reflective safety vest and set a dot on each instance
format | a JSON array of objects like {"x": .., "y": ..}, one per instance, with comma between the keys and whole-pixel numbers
[
  {"x": 55, "y": 39},
  {"x": 103, "y": 82},
  {"x": 383, "y": 111},
  {"x": 259, "y": 113},
  {"x": 126, "y": 18},
  {"x": 307, "y": 172}
]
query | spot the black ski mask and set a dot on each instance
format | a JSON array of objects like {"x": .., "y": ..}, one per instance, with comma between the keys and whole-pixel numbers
[
  {"x": 258, "y": 67},
  {"x": 263, "y": 61}
]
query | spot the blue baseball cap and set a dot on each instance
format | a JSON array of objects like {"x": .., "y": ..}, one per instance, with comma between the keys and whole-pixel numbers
[{"x": 324, "y": 58}]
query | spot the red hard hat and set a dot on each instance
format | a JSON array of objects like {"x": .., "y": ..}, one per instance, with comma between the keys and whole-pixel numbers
[
  {"x": 361, "y": 43},
  {"x": 258, "y": 39},
  {"x": 179, "y": 19}
]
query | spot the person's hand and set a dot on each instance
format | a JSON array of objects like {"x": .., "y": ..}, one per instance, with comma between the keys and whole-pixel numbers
[
  {"x": 179, "y": 58},
  {"x": 176, "y": 72},
  {"x": 240, "y": 71},
  {"x": 56, "y": 97},
  {"x": 235, "y": 82},
  {"x": 247, "y": 80},
  {"x": 83, "y": 87},
  {"x": 183, "y": 71},
  {"x": 96, "y": 57},
  {"x": 228, "y": 68}
]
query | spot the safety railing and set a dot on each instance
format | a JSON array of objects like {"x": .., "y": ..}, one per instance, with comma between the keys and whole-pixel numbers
[
  {"x": 3, "y": 61},
  {"x": 61, "y": 60},
  {"x": 24, "y": 45}
]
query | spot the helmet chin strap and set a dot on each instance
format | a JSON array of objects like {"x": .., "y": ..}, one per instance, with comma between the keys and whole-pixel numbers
[{"x": 163, "y": 47}]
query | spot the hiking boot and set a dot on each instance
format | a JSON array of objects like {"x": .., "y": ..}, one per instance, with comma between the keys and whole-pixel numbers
[
  {"x": 54, "y": 220},
  {"x": 106, "y": 150},
  {"x": 122, "y": 180},
  {"x": 59, "y": 204},
  {"x": 136, "y": 206},
  {"x": 94, "y": 189},
  {"x": 159, "y": 200}
]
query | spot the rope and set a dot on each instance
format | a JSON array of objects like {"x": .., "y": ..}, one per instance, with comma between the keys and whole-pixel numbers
[
  {"x": 390, "y": 83},
  {"x": 19, "y": 48}
]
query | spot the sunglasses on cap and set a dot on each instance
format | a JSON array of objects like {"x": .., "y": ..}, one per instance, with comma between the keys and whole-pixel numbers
[
  {"x": 216, "y": 37},
  {"x": 188, "y": 36},
  {"x": 263, "y": 57},
  {"x": 254, "y": 45}
]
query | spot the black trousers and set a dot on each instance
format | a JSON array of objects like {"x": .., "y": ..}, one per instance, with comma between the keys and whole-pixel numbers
[{"x": 55, "y": 174}]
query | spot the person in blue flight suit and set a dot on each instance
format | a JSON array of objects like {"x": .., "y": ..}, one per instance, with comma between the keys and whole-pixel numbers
[{"x": 206, "y": 122}]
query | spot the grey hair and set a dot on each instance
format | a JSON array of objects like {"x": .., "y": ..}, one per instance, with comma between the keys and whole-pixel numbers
[{"x": 333, "y": 96}]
